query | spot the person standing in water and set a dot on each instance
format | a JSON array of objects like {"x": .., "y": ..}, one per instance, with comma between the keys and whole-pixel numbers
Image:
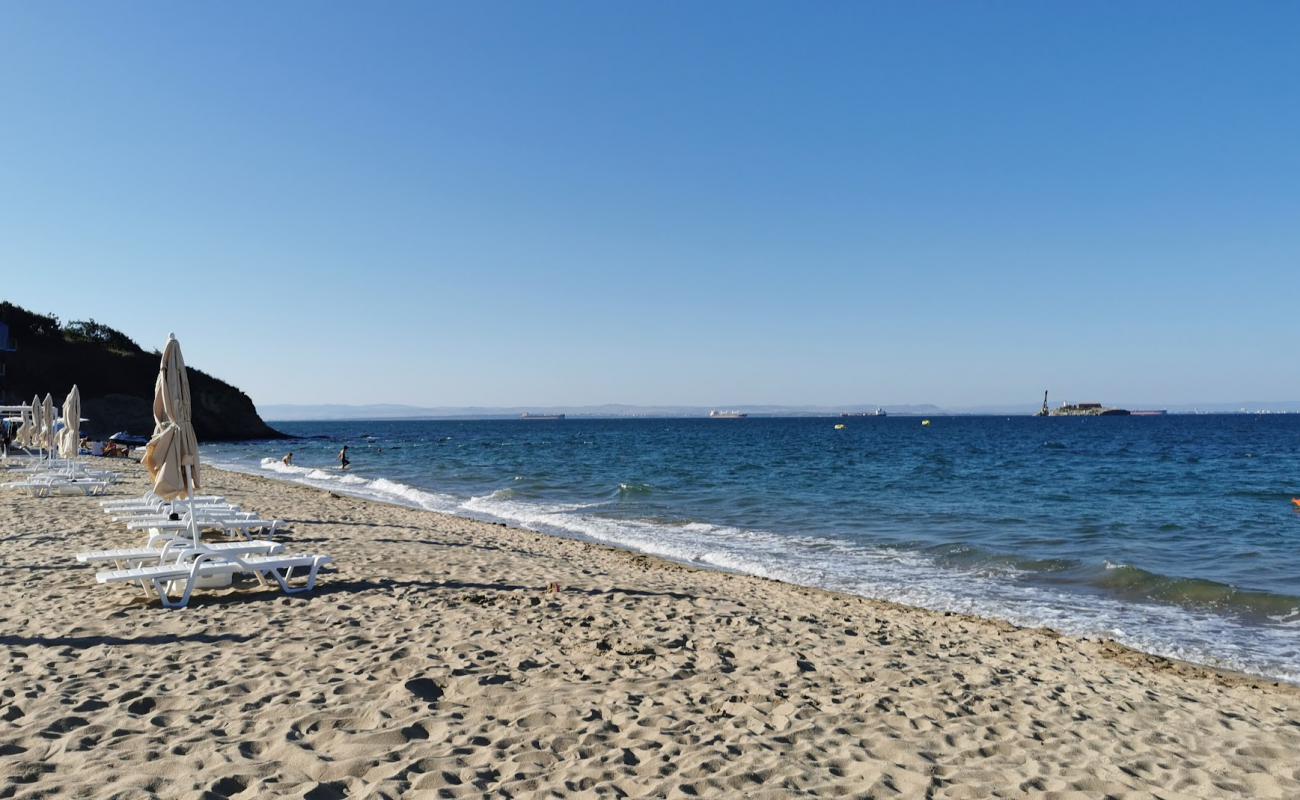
[
  {"x": 288, "y": 459},
  {"x": 343, "y": 458}
]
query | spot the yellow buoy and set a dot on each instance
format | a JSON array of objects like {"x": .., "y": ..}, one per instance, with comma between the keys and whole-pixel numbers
[
  {"x": 925, "y": 423},
  {"x": 839, "y": 427}
]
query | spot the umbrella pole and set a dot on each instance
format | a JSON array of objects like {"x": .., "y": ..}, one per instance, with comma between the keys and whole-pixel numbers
[{"x": 194, "y": 525}]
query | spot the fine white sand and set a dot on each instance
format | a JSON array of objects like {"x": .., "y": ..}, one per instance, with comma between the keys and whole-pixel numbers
[{"x": 432, "y": 661}]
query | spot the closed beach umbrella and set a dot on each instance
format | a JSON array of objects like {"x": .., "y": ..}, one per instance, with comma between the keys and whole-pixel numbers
[
  {"x": 24, "y": 436},
  {"x": 47, "y": 422},
  {"x": 172, "y": 455},
  {"x": 70, "y": 444},
  {"x": 33, "y": 425},
  {"x": 35, "y": 433}
]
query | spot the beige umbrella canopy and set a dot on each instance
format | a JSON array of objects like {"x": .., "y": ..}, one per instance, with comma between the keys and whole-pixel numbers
[
  {"x": 47, "y": 423},
  {"x": 172, "y": 455},
  {"x": 34, "y": 432},
  {"x": 70, "y": 441},
  {"x": 34, "y": 427},
  {"x": 24, "y": 438}
]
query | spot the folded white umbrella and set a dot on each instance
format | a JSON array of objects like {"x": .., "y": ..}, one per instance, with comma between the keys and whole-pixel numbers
[
  {"x": 47, "y": 422},
  {"x": 29, "y": 427},
  {"x": 37, "y": 424},
  {"x": 70, "y": 442},
  {"x": 172, "y": 455},
  {"x": 23, "y": 437}
]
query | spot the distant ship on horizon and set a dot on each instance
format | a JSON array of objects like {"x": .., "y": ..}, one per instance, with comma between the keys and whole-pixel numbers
[
  {"x": 715, "y": 414},
  {"x": 527, "y": 415},
  {"x": 879, "y": 412}
]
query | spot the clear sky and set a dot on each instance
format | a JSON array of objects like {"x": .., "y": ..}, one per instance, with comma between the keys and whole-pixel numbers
[{"x": 695, "y": 203}]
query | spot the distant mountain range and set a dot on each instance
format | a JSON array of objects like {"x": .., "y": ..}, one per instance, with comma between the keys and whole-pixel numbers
[
  {"x": 614, "y": 410},
  {"x": 392, "y": 411}
]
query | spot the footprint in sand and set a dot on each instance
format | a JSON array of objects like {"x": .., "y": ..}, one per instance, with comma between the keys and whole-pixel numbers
[
  {"x": 229, "y": 786},
  {"x": 60, "y": 727},
  {"x": 416, "y": 731},
  {"x": 425, "y": 689},
  {"x": 142, "y": 706}
]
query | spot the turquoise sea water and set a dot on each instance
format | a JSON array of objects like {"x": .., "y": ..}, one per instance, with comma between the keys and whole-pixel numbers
[{"x": 1175, "y": 535}]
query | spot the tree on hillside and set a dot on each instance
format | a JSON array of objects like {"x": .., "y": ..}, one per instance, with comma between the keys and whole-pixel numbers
[
  {"x": 24, "y": 324},
  {"x": 91, "y": 331}
]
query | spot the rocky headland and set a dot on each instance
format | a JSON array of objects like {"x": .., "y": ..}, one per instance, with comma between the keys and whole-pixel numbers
[{"x": 115, "y": 377}]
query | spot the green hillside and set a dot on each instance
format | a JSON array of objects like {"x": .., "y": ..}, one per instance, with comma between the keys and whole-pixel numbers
[{"x": 115, "y": 376}]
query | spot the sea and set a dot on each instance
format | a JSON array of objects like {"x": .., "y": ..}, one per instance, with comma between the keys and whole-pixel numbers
[{"x": 1174, "y": 535}]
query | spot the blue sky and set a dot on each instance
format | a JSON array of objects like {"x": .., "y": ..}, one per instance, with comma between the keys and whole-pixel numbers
[{"x": 721, "y": 203}]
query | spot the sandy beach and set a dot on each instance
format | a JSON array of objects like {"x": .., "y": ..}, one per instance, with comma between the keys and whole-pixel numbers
[{"x": 433, "y": 661}]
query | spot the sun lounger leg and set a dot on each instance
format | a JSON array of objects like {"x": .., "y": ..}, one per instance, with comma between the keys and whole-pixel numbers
[
  {"x": 284, "y": 577},
  {"x": 143, "y": 585},
  {"x": 190, "y": 580}
]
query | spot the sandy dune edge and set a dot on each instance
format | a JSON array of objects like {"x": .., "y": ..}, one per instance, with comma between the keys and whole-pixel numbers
[{"x": 432, "y": 662}]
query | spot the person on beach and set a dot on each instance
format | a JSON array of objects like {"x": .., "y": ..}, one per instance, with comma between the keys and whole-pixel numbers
[
  {"x": 288, "y": 459},
  {"x": 343, "y": 458}
]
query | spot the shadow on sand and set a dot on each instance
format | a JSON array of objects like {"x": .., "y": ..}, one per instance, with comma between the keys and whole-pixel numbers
[{"x": 95, "y": 641}]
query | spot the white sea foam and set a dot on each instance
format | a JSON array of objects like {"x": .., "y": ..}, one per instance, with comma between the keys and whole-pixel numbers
[
  {"x": 385, "y": 489},
  {"x": 380, "y": 489},
  {"x": 276, "y": 465},
  {"x": 894, "y": 574}
]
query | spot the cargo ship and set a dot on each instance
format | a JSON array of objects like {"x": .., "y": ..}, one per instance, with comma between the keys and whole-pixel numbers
[
  {"x": 727, "y": 415},
  {"x": 526, "y": 415},
  {"x": 879, "y": 412}
]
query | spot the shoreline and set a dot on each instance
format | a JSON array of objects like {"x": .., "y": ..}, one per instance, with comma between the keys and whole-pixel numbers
[
  {"x": 1113, "y": 648},
  {"x": 329, "y": 484},
  {"x": 432, "y": 659}
]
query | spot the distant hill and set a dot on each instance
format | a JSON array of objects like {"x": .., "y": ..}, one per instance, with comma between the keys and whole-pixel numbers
[
  {"x": 115, "y": 377},
  {"x": 325, "y": 412},
  {"x": 391, "y": 411}
]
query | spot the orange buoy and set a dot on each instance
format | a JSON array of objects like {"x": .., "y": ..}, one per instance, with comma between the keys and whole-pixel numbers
[{"x": 1296, "y": 500}]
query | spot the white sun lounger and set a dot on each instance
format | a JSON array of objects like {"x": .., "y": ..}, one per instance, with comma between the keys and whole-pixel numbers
[
  {"x": 201, "y": 512},
  {"x": 227, "y": 525},
  {"x": 151, "y": 500},
  {"x": 50, "y": 488},
  {"x": 164, "y": 579},
  {"x": 60, "y": 473},
  {"x": 176, "y": 551}
]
